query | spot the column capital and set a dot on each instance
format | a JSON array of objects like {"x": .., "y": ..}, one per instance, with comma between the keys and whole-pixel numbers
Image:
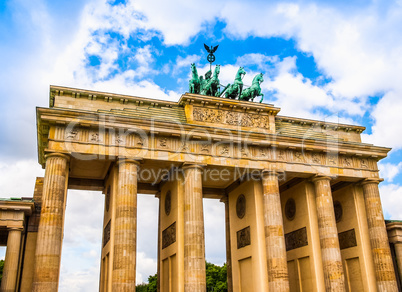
[
  {"x": 57, "y": 154},
  {"x": 371, "y": 181},
  {"x": 15, "y": 228},
  {"x": 224, "y": 199},
  {"x": 121, "y": 160},
  {"x": 320, "y": 177},
  {"x": 199, "y": 166}
]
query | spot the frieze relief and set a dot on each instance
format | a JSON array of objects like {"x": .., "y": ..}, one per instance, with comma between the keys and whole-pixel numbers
[
  {"x": 243, "y": 237},
  {"x": 347, "y": 239},
  {"x": 363, "y": 163},
  {"x": 162, "y": 142},
  {"x": 219, "y": 149},
  {"x": 230, "y": 118},
  {"x": 72, "y": 134},
  {"x": 262, "y": 152},
  {"x": 298, "y": 156},
  {"x": 346, "y": 161},
  {"x": 332, "y": 159},
  {"x": 106, "y": 234},
  {"x": 169, "y": 236},
  {"x": 296, "y": 239},
  {"x": 204, "y": 148}
]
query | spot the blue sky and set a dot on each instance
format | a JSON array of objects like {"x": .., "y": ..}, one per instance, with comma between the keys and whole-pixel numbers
[{"x": 329, "y": 60}]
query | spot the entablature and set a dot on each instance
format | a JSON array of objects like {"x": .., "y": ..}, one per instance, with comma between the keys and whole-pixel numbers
[{"x": 72, "y": 131}]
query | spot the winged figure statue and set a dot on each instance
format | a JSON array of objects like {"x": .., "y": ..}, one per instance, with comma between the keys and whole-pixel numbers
[{"x": 211, "y": 49}]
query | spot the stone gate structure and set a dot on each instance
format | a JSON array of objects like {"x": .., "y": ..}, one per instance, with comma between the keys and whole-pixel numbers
[{"x": 302, "y": 204}]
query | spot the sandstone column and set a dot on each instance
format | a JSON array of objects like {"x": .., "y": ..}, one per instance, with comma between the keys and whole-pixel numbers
[
  {"x": 194, "y": 242},
  {"x": 50, "y": 231},
  {"x": 158, "y": 265},
  {"x": 384, "y": 268},
  {"x": 398, "y": 252},
  {"x": 278, "y": 279},
  {"x": 125, "y": 231},
  {"x": 10, "y": 271},
  {"x": 330, "y": 251},
  {"x": 228, "y": 244}
]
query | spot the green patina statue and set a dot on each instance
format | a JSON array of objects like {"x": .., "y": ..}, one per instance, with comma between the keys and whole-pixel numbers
[
  {"x": 254, "y": 90},
  {"x": 194, "y": 83},
  {"x": 234, "y": 90},
  {"x": 211, "y": 86},
  {"x": 198, "y": 83}
]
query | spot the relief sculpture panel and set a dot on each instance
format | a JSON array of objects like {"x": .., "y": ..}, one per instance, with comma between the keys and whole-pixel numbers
[
  {"x": 169, "y": 235},
  {"x": 230, "y": 118}
]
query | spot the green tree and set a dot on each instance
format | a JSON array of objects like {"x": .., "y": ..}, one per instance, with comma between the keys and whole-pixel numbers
[
  {"x": 150, "y": 287},
  {"x": 1, "y": 269},
  {"x": 216, "y": 278}
]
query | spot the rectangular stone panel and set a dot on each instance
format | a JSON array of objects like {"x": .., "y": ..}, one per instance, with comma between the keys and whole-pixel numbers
[
  {"x": 169, "y": 235},
  {"x": 243, "y": 237},
  {"x": 296, "y": 239},
  {"x": 306, "y": 279},
  {"x": 293, "y": 276},
  {"x": 347, "y": 239},
  {"x": 246, "y": 275},
  {"x": 354, "y": 275},
  {"x": 106, "y": 234}
]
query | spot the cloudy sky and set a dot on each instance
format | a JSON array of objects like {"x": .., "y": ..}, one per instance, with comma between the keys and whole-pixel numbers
[{"x": 329, "y": 60}]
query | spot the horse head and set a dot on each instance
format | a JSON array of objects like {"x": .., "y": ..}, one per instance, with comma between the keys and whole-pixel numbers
[
  {"x": 193, "y": 68},
  {"x": 241, "y": 71},
  {"x": 217, "y": 70},
  {"x": 258, "y": 78}
]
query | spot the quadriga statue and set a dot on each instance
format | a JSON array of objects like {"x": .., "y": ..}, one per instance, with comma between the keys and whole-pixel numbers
[
  {"x": 212, "y": 86},
  {"x": 254, "y": 90},
  {"x": 234, "y": 90},
  {"x": 194, "y": 82}
]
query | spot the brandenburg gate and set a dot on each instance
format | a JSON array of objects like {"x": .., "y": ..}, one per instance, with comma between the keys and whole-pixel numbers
[{"x": 301, "y": 197}]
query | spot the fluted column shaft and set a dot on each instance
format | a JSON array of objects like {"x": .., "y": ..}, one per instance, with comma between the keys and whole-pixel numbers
[
  {"x": 125, "y": 227},
  {"x": 330, "y": 251},
  {"x": 398, "y": 252},
  {"x": 384, "y": 268},
  {"x": 228, "y": 245},
  {"x": 194, "y": 242},
  {"x": 10, "y": 270},
  {"x": 50, "y": 231},
  {"x": 278, "y": 279}
]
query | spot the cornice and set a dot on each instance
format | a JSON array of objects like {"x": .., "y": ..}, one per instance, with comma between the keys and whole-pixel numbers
[
  {"x": 323, "y": 124},
  {"x": 106, "y": 96}
]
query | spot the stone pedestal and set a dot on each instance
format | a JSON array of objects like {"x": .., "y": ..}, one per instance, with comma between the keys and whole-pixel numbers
[
  {"x": 194, "y": 242},
  {"x": 330, "y": 251},
  {"x": 125, "y": 231},
  {"x": 274, "y": 235},
  {"x": 10, "y": 271},
  {"x": 384, "y": 269},
  {"x": 50, "y": 231}
]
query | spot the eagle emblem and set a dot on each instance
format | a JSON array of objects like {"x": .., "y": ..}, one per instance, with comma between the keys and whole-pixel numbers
[{"x": 211, "y": 50}]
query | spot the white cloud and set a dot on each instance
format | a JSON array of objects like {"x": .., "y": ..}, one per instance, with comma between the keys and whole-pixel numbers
[
  {"x": 389, "y": 170},
  {"x": 184, "y": 62},
  {"x": 215, "y": 240},
  {"x": 391, "y": 195},
  {"x": 387, "y": 121},
  {"x": 17, "y": 178},
  {"x": 147, "y": 266}
]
